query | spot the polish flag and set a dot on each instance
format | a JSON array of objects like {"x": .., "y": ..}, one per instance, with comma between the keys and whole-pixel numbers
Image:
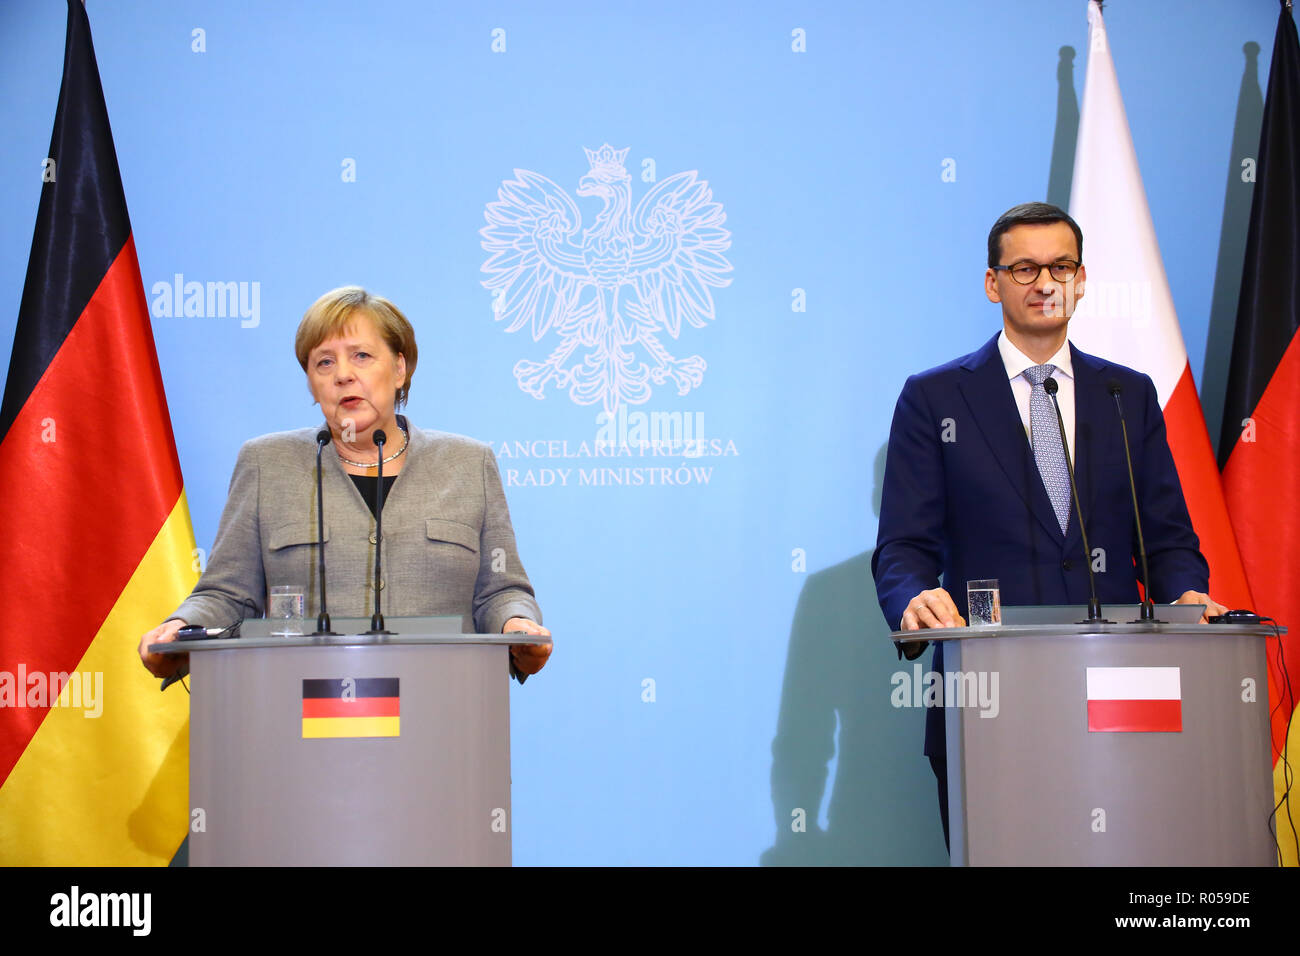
[
  {"x": 1135, "y": 699},
  {"x": 1127, "y": 312}
]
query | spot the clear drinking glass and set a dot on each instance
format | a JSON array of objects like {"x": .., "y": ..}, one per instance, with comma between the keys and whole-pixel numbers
[
  {"x": 286, "y": 609},
  {"x": 984, "y": 601}
]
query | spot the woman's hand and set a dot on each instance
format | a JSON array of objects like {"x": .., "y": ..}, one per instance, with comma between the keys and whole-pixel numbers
[
  {"x": 162, "y": 665},
  {"x": 528, "y": 658}
]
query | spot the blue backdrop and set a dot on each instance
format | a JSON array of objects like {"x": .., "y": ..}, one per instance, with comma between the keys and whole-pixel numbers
[{"x": 721, "y": 662}]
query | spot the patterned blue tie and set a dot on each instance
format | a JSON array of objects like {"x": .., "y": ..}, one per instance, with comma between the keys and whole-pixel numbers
[{"x": 1045, "y": 435}]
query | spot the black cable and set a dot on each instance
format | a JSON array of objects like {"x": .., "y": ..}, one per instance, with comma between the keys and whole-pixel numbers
[{"x": 1287, "y": 776}]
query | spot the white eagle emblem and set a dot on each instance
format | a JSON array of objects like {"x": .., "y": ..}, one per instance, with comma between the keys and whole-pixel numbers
[{"x": 611, "y": 287}]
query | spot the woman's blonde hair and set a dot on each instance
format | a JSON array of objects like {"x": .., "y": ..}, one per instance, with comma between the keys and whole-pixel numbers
[{"x": 332, "y": 313}]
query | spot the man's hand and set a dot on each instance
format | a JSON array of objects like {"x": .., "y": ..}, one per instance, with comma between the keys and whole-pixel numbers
[
  {"x": 162, "y": 665},
  {"x": 932, "y": 608},
  {"x": 1212, "y": 607},
  {"x": 528, "y": 658}
]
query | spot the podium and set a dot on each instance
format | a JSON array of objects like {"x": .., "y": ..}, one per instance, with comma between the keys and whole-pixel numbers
[
  {"x": 351, "y": 750},
  {"x": 1104, "y": 744}
]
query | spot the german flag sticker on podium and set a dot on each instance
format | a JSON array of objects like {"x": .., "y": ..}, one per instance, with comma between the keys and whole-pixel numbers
[{"x": 351, "y": 707}]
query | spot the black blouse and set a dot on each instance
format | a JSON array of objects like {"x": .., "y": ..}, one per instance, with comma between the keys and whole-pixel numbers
[{"x": 366, "y": 485}]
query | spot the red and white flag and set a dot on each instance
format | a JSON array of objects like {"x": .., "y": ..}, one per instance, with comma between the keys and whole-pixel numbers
[
  {"x": 1127, "y": 313},
  {"x": 1135, "y": 699}
]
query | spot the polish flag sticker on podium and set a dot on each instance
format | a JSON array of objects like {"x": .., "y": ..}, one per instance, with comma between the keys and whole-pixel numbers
[{"x": 1135, "y": 699}]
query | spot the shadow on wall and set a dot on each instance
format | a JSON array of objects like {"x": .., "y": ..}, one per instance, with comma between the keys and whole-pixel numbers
[
  {"x": 1237, "y": 198},
  {"x": 836, "y": 715},
  {"x": 1061, "y": 175}
]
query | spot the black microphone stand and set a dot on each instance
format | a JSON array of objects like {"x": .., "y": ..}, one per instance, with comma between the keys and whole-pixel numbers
[
  {"x": 1094, "y": 606},
  {"x": 1147, "y": 614},
  {"x": 323, "y": 628},
  {"x": 377, "y": 619}
]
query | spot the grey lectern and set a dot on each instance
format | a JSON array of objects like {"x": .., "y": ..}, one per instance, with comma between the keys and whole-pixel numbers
[
  {"x": 351, "y": 750},
  {"x": 1105, "y": 744}
]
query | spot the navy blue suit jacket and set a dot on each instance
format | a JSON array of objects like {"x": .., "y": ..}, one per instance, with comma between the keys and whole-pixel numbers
[{"x": 962, "y": 496}]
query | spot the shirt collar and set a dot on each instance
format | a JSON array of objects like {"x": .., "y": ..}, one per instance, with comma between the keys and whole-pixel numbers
[{"x": 1017, "y": 361}]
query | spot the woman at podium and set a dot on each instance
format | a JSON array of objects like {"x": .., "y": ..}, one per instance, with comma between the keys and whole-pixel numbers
[{"x": 448, "y": 546}]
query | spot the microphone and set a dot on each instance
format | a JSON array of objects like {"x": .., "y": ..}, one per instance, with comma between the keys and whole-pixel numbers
[
  {"x": 323, "y": 628},
  {"x": 1094, "y": 606},
  {"x": 1148, "y": 606},
  {"x": 377, "y": 619}
]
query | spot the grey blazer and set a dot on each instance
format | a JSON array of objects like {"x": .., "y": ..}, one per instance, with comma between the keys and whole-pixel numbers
[{"x": 448, "y": 545}]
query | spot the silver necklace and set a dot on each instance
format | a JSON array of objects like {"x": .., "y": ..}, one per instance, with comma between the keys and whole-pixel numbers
[{"x": 406, "y": 440}]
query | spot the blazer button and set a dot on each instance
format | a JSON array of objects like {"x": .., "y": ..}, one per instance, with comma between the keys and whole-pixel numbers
[
  {"x": 1067, "y": 564},
  {"x": 370, "y": 585},
  {"x": 372, "y": 538}
]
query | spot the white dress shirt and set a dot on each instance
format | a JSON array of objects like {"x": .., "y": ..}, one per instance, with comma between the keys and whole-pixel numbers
[{"x": 1017, "y": 361}]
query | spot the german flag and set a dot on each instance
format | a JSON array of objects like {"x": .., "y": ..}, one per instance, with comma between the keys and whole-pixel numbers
[
  {"x": 351, "y": 707},
  {"x": 1260, "y": 445},
  {"x": 98, "y": 546}
]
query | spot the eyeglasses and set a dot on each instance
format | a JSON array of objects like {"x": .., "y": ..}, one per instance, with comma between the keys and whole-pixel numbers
[{"x": 1026, "y": 272}]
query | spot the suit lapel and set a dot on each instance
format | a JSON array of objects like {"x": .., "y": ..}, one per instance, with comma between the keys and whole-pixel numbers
[
  {"x": 987, "y": 391},
  {"x": 1090, "y": 399}
]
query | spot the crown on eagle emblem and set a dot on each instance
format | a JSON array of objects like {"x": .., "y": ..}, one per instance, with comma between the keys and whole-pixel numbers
[{"x": 607, "y": 157}]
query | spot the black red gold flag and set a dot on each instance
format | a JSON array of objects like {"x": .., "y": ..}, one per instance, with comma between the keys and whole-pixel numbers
[
  {"x": 98, "y": 546},
  {"x": 1260, "y": 446},
  {"x": 362, "y": 707}
]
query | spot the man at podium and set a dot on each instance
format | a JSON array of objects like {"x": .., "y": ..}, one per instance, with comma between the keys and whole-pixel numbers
[
  {"x": 975, "y": 482},
  {"x": 448, "y": 546}
]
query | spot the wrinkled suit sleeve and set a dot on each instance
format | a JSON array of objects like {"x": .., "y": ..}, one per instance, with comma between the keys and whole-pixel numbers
[
  {"x": 1173, "y": 549},
  {"x": 909, "y": 543},
  {"x": 502, "y": 590},
  {"x": 233, "y": 585}
]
